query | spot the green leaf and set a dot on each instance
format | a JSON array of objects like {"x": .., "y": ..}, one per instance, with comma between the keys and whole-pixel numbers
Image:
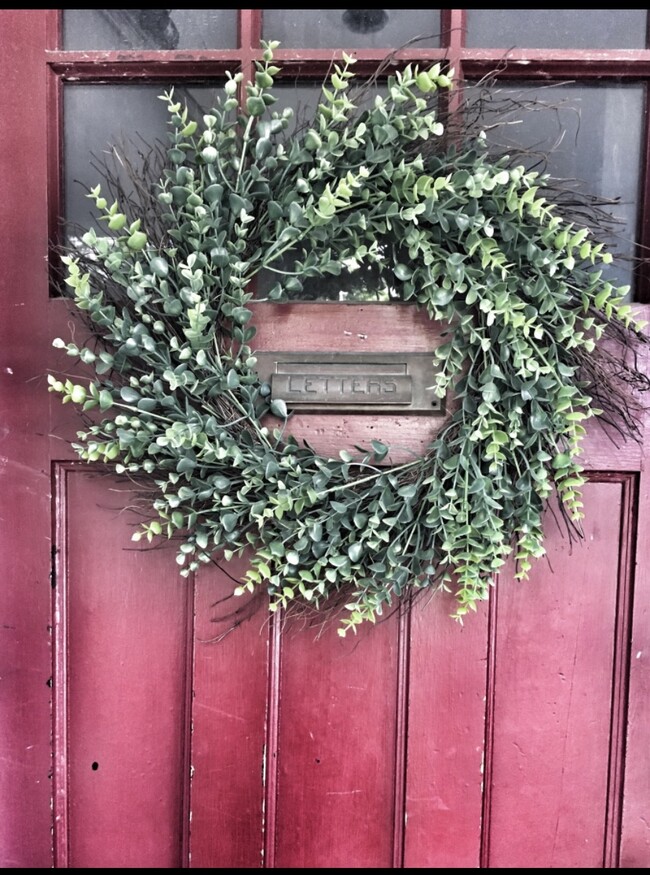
[
  {"x": 229, "y": 521},
  {"x": 409, "y": 491},
  {"x": 379, "y": 449},
  {"x": 355, "y": 551},
  {"x": 402, "y": 272},
  {"x": 255, "y": 106},
  {"x": 105, "y": 400},
  {"x": 185, "y": 465},
  {"x": 137, "y": 240},
  {"x": 279, "y": 408},
  {"x": 129, "y": 395},
  {"x": 490, "y": 393}
]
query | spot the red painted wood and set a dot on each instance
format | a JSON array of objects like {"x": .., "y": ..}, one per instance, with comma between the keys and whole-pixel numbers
[
  {"x": 401, "y": 732},
  {"x": 158, "y": 66},
  {"x": 621, "y": 668},
  {"x": 556, "y": 63},
  {"x": 336, "y": 748},
  {"x": 25, "y": 542},
  {"x": 229, "y": 725},
  {"x": 553, "y": 695},
  {"x": 306, "y": 327},
  {"x": 396, "y": 716},
  {"x": 250, "y": 33},
  {"x": 444, "y": 776},
  {"x": 125, "y": 636},
  {"x": 635, "y": 826},
  {"x": 102, "y": 66}
]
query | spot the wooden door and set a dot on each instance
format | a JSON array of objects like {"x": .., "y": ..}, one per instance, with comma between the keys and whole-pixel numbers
[{"x": 138, "y": 731}]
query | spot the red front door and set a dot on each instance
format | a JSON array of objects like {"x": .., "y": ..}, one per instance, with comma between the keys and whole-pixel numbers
[{"x": 140, "y": 730}]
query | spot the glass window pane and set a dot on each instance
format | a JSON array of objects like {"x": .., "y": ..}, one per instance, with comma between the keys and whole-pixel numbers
[
  {"x": 149, "y": 29},
  {"x": 557, "y": 28},
  {"x": 351, "y": 28},
  {"x": 592, "y": 134},
  {"x": 97, "y": 117}
]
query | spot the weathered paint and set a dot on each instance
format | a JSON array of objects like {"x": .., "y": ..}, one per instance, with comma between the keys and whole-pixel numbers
[{"x": 25, "y": 519}]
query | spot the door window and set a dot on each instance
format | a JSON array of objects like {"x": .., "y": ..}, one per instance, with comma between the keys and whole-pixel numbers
[{"x": 582, "y": 63}]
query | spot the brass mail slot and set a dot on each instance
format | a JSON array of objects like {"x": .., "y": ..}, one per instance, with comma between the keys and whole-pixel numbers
[{"x": 351, "y": 382}]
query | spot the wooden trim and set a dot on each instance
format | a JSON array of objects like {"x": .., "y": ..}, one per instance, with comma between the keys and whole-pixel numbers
[
  {"x": 60, "y": 472},
  {"x": 552, "y": 63},
  {"x": 454, "y": 29},
  {"x": 167, "y": 65},
  {"x": 401, "y": 732},
  {"x": 25, "y": 521},
  {"x": 184, "y": 826},
  {"x": 155, "y": 66},
  {"x": 271, "y": 748},
  {"x": 621, "y": 670},
  {"x": 556, "y": 63},
  {"x": 454, "y": 24},
  {"x": 488, "y": 744},
  {"x": 634, "y": 852},
  {"x": 53, "y": 29},
  {"x": 250, "y": 28}
]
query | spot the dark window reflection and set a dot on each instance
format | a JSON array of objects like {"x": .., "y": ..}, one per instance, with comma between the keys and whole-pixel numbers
[
  {"x": 588, "y": 137},
  {"x": 352, "y": 28},
  {"x": 365, "y": 20},
  {"x": 164, "y": 29},
  {"x": 557, "y": 28},
  {"x": 130, "y": 118}
]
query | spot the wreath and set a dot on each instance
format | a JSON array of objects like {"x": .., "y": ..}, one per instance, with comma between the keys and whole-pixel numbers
[{"x": 376, "y": 184}]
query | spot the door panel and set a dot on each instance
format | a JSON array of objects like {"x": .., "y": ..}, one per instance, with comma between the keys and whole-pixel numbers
[
  {"x": 336, "y": 756},
  {"x": 121, "y": 627},
  {"x": 309, "y": 750},
  {"x": 552, "y": 769},
  {"x": 447, "y": 688},
  {"x": 229, "y": 719}
]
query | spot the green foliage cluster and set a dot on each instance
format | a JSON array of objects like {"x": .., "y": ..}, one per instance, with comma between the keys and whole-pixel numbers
[{"x": 470, "y": 240}]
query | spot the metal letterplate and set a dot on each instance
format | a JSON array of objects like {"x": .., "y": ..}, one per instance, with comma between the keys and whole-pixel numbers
[{"x": 351, "y": 382}]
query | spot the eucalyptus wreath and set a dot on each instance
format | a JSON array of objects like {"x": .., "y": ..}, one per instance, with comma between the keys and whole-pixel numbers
[{"x": 378, "y": 184}]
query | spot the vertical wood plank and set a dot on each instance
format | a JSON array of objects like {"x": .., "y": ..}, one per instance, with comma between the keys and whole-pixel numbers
[
  {"x": 126, "y": 696},
  {"x": 447, "y": 682},
  {"x": 553, "y": 697},
  {"x": 336, "y": 749},
  {"x": 229, "y": 725},
  {"x": 25, "y": 524},
  {"x": 635, "y": 823}
]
